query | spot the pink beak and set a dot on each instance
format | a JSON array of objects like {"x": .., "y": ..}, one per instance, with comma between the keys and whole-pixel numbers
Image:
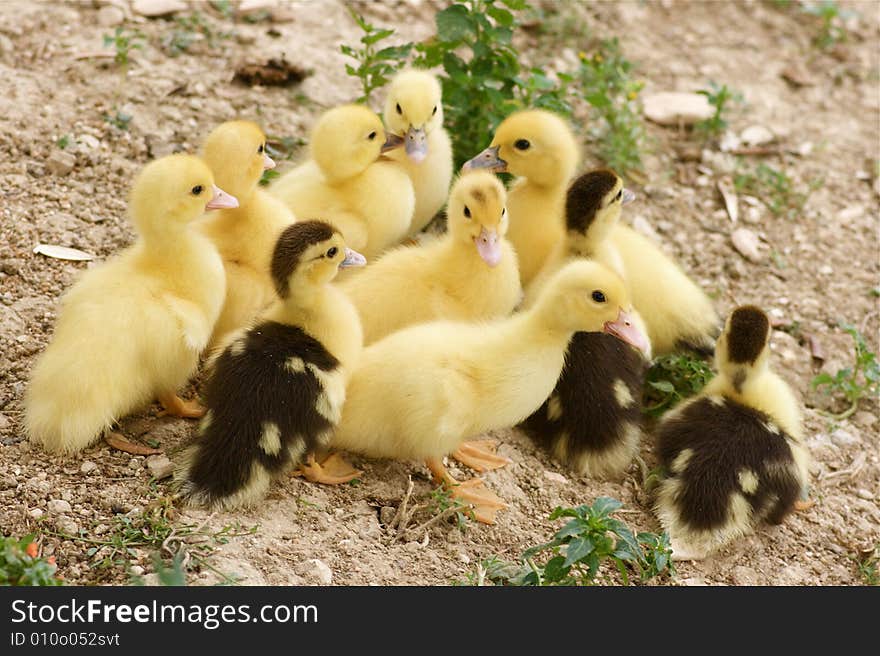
[
  {"x": 268, "y": 162},
  {"x": 221, "y": 200},
  {"x": 489, "y": 247},
  {"x": 624, "y": 328}
]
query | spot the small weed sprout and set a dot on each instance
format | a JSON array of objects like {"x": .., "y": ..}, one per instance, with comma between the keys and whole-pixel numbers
[
  {"x": 63, "y": 142},
  {"x": 123, "y": 42},
  {"x": 720, "y": 97},
  {"x": 374, "y": 64},
  {"x": 118, "y": 119},
  {"x": 852, "y": 383},
  {"x": 831, "y": 18},
  {"x": 673, "y": 378},
  {"x": 775, "y": 189},
  {"x": 869, "y": 565}
]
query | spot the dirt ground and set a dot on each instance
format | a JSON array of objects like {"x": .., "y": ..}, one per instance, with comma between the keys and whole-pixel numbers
[{"x": 817, "y": 269}]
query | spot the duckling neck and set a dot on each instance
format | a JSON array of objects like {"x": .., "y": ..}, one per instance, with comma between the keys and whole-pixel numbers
[{"x": 326, "y": 314}]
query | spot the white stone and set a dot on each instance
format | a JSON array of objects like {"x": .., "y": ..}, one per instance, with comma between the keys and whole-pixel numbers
[
  {"x": 154, "y": 8},
  {"x": 160, "y": 466},
  {"x": 137, "y": 570},
  {"x": 36, "y": 513},
  {"x": 843, "y": 437},
  {"x": 672, "y": 108},
  {"x": 321, "y": 571},
  {"x": 61, "y": 163},
  {"x": 756, "y": 135},
  {"x": 555, "y": 477},
  {"x": 88, "y": 467},
  {"x": 746, "y": 242},
  {"x": 110, "y": 16},
  {"x": 59, "y": 506}
]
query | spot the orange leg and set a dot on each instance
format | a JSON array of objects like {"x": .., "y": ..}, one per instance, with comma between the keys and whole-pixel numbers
[
  {"x": 480, "y": 455},
  {"x": 485, "y": 502},
  {"x": 803, "y": 504},
  {"x": 334, "y": 470},
  {"x": 175, "y": 406}
]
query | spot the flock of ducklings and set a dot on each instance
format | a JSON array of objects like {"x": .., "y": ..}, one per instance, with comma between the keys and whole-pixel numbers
[{"x": 537, "y": 308}]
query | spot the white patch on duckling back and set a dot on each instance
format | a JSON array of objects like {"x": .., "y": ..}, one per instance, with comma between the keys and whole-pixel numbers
[
  {"x": 205, "y": 423},
  {"x": 622, "y": 394},
  {"x": 554, "y": 408},
  {"x": 332, "y": 396},
  {"x": 296, "y": 450},
  {"x": 270, "y": 440},
  {"x": 772, "y": 428},
  {"x": 714, "y": 399},
  {"x": 295, "y": 365},
  {"x": 237, "y": 347},
  {"x": 748, "y": 481},
  {"x": 680, "y": 462}
]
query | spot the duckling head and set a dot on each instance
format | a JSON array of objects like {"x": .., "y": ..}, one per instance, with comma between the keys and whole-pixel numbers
[
  {"x": 309, "y": 253},
  {"x": 347, "y": 139},
  {"x": 414, "y": 109},
  {"x": 586, "y": 296},
  {"x": 174, "y": 190},
  {"x": 236, "y": 153},
  {"x": 592, "y": 207},
  {"x": 742, "y": 348},
  {"x": 477, "y": 213},
  {"x": 533, "y": 144}
]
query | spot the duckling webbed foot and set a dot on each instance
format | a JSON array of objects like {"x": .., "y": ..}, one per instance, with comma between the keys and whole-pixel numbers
[
  {"x": 175, "y": 406},
  {"x": 480, "y": 455},
  {"x": 333, "y": 470},
  {"x": 474, "y": 492},
  {"x": 803, "y": 504}
]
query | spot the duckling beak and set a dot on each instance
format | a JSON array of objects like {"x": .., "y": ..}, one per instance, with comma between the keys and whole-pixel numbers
[
  {"x": 627, "y": 196},
  {"x": 488, "y": 159},
  {"x": 352, "y": 259},
  {"x": 268, "y": 162},
  {"x": 489, "y": 247},
  {"x": 392, "y": 141},
  {"x": 624, "y": 328},
  {"x": 417, "y": 144},
  {"x": 221, "y": 200}
]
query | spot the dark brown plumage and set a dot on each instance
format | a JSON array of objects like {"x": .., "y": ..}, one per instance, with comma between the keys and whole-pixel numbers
[
  {"x": 584, "y": 198},
  {"x": 263, "y": 382},
  {"x": 584, "y": 422},
  {"x": 747, "y": 335},
  {"x": 292, "y": 243},
  {"x": 734, "y": 451}
]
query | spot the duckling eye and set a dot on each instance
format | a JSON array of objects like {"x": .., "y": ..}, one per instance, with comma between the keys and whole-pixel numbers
[
  {"x": 332, "y": 252},
  {"x": 467, "y": 211},
  {"x": 434, "y": 111},
  {"x": 260, "y": 149},
  {"x": 503, "y": 211},
  {"x": 197, "y": 190},
  {"x": 598, "y": 296},
  {"x": 619, "y": 194},
  {"x": 399, "y": 110},
  {"x": 522, "y": 144},
  {"x": 372, "y": 135}
]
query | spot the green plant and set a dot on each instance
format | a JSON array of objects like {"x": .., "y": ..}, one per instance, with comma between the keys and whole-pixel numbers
[
  {"x": 442, "y": 500},
  {"x": 775, "y": 189},
  {"x": 187, "y": 30},
  {"x": 224, "y": 8},
  {"x": 482, "y": 79},
  {"x": 374, "y": 64},
  {"x": 20, "y": 563},
  {"x": 577, "y": 552},
  {"x": 124, "y": 41},
  {"x": 720, "y": 98},
  {"x": 856, "y": 382},
  {"x": 606, "y": 83},
  {"x": 831, "y": 17},
  {"x": 63, "y": 142},
  {"x": 673, "y": 378},
  {"x": 118, "y": 119},
  {"x": 869, "y": 565}
]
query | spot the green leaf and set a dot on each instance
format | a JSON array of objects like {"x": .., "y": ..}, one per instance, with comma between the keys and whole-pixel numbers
[
  {"x": 454, "y": 24},
  {"x": 556, "y": 569},
  {"x": 502, "y": 16},
  {"x": 604, "y": 506},
  {"x": 574, "y": 527},
  {"x": 375, "y": 37},
  {"x": 577, "y": 549}
]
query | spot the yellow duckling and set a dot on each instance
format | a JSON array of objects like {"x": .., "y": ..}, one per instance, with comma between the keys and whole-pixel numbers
[
  {"x": 540, "y": 149},
  {"x": 419, "y": 392},
  {"x": 370, "y": 200},
  {"x": 468, "y": 274},
  {"x": 734, "y": 454},
  {"x": 414, "y": 110},
  {"x": 276, "y": 392},
  {"x": 132, "y": 329},
  {"x": 245, "y": 235},
  {"x": 677, "y": 313}
]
